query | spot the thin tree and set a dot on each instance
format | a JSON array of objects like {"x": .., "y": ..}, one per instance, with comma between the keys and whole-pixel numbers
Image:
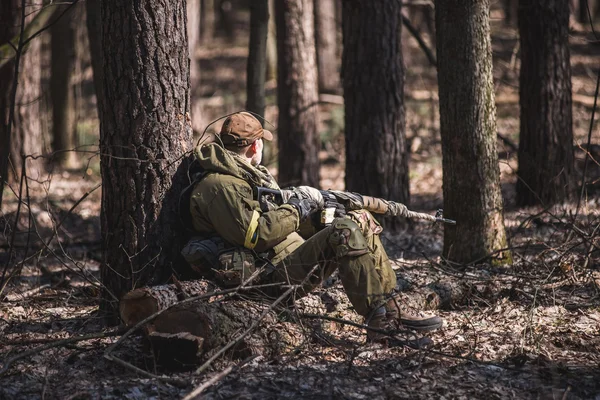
[
  {"x": 9, "y": 28},
  {"x": 471, "y": 181},
  {"x": 94, "y": 28},
  {"x": 27, "y": 139},
  {"x": 193, "y": 30},
  {"x": 144, "y": 134},
  {"x": 546, "y": 141},
  {"x": 62, "y": 91},
  {"x": 257, "y": 57},
  {"x": 297, "y": 93},
  {"x": 373, "y": 80},
  {"x": 326, "y": 42}
]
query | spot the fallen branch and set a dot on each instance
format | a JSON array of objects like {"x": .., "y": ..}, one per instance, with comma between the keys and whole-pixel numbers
[{"x": 216, "y": 378}]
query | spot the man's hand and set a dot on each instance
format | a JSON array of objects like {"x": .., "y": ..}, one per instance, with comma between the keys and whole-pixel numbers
[
  {"x": 305, "y": 207},
  {"x": 310, "y": 193}
]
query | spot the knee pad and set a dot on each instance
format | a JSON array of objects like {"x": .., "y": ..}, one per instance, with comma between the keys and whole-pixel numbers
[{"x": 346, "y": 238}]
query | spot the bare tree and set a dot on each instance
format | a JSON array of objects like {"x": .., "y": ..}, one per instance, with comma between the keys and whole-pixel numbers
[
  {"x": 326, "y": 43},
  {"x": 373, "y": 79},
  {"x": 546, "y": 141},
  {"x": 297, "y": 93},
  {"x": 468, "y": 128},
  {"x": 145, "y": 132}
]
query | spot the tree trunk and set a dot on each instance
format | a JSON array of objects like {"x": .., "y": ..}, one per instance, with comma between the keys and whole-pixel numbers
[
  {"x": 62, "y": 89},
  {"x": 9, "y": 27},
  {"x": 326, "y": 43},
  {"x": 297, "y": 93},
  {"x": 144, "y": 133},
  {"x": 207, "y": 21},
  {"x": 257, "y": 57},
  {"x": 94, "y": 27},
  {"x": 471, "y": 179},
  {"x": 373, "y": 79},
  {"x": 510, "y": 11},
  {"x": 272, "y": 45},
  {"x": 27, "y": 138},
  {"x": 193, "y": 29},
  {"x": 584, "y": 17},
  {"x": 546, "y": 170}
]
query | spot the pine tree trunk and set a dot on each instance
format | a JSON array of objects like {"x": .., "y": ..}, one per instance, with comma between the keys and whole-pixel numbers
[
  {"x": 257, "y": 57},
  {"x": 546, "y": 171},
  {"x": 9, "y": 15},
  {"x": 193, "y": 29},
  {"x": 27, "y": 138},
  {"x": 326, "y": 43},
  {"x": 272, "y": 44},
  {"x": 94, "y": 27},
  {"x": 471, "y": 179},
  {"x": 62, "y": 90},
  {"x": 297, "y": 93},
  {"x": 373, "y": 79},
  {"x": 145, "y": 131},
  {"x": 207, "y": 21}
]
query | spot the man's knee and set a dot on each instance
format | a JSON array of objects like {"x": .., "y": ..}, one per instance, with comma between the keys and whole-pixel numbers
[
  {"x": 346, "y": 238},
  {"x": 368, "y": 224}
]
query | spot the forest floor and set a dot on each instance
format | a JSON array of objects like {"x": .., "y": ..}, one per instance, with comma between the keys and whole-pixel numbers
[{"x": 529, "y": 330}]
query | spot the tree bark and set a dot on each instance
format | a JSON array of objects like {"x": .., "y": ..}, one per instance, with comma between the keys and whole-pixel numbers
[
  {"x": 257, "y": 57},
  {"x": 471, "y": 181},
  {"x": 546, "y": 169},
  {"x": 145, "y": 131},
  {"x": 297, "y": 93},
  {"x": 373, "y": 79},
  {"x": 193, "y": 29},
  {"x": 62, "y": 91},
  {"x": 326, "y": 44}
]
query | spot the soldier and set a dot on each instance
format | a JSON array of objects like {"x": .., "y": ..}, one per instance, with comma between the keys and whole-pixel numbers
[{"x": 222, "y": 204}]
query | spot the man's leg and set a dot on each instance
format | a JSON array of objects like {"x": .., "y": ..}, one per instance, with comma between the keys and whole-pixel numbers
[{"x": 342, "y": 245}]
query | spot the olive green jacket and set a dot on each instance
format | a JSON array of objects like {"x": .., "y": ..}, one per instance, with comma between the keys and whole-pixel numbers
[{"x": 222, "y": 203}]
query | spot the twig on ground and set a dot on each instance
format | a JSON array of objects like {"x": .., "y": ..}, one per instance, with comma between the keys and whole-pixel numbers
[
  {"x": 25, "y": 294},
  {"x": 58, "y": 343},
  {"x": 216, "y": 378}
]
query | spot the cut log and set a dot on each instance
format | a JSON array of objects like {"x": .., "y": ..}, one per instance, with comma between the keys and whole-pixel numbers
[
  {"x": 141, "y": 303},
  {"x": 184, "y": 334}
]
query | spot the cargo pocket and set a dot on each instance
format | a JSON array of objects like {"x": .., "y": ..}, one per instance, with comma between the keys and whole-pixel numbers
[{"x": 236, "y": 265}]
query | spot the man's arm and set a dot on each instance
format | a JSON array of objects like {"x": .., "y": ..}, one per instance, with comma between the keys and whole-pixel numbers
[{"x": 238, "y": 218}]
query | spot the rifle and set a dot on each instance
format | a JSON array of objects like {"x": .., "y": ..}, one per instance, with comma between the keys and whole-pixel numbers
[{"x": 338, "y": 202}]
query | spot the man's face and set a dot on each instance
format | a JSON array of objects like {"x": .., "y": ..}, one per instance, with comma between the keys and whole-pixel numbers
[{"x": 257, "y": 157}]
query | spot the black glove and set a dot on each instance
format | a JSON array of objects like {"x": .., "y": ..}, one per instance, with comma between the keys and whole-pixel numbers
[{"x": 305, "y": 207}]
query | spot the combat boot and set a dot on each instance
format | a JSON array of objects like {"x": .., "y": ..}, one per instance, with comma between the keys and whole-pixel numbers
[
  {"x": 382, "y": 328},
  {"x": 409, "y": 317}
]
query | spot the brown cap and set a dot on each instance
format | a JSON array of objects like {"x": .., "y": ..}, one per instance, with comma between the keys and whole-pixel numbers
[{"x": 242, "y": 129}]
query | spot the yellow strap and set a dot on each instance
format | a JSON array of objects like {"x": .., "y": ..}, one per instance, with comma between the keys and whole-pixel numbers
[{"x": 251, "y": 234}]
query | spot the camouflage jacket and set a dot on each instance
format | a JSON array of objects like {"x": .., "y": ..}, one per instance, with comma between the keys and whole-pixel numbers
[{"x": 222, "y": 203}]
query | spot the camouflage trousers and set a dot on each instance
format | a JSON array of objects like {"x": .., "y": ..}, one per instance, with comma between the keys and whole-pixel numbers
[{"x": 367, "y": 278}]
